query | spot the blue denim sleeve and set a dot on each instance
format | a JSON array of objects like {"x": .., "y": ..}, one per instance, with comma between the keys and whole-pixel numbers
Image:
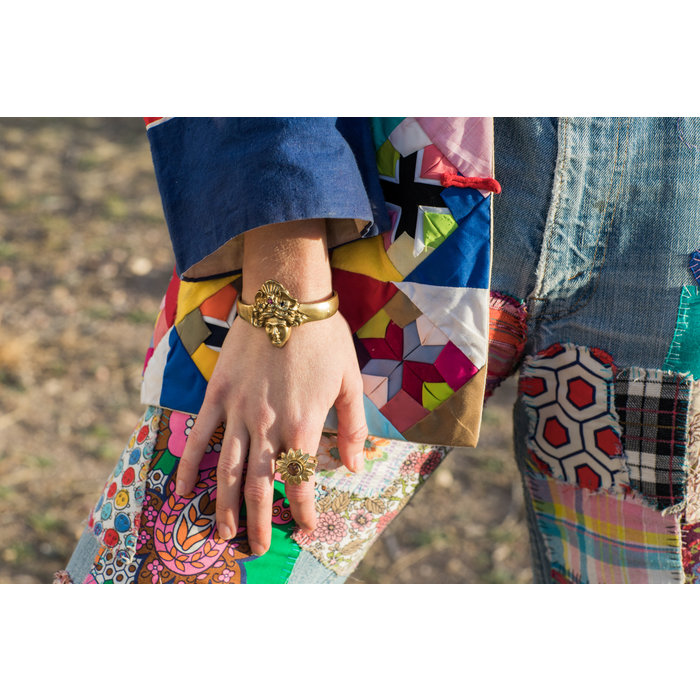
[{"x": 220, "y": 177}]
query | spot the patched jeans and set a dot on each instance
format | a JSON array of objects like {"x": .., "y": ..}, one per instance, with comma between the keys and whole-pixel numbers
[{"x": 595, "y": 233}]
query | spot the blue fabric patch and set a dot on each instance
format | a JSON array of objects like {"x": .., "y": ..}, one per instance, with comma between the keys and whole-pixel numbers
[
  {"x": 183, "y": 384},
  {"x": 464, "y": 258},
  {"x": 377, "y": 424}
]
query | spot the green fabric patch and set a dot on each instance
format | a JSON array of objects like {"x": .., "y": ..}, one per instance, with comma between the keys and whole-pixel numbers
[
  {"x": 435, "y": 393},
  {"x": 382, "y": 127},
  {"x": 276, "y": 565},
  {"x": 684, "y": 353},
  {"x": 437, "y": 227},
  {"x": 387, "y": 157},
  {"x": 166, "y": 463}
]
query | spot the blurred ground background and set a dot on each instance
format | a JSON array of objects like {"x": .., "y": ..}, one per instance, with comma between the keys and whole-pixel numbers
[{"x": 84, "y": 262}]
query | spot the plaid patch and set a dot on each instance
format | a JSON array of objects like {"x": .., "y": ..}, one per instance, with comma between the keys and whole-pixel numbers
[
  {"x": 653, "y": 409},
  {"x": 601, "y": 537}
]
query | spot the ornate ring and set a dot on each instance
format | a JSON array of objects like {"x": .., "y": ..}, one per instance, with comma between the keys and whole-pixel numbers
[
  {"x": 295, "y": 466},
  {"x": 277, "y": 311}
]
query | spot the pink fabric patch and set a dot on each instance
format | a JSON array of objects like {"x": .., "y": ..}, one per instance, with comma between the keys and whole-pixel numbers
[
  {"x": 434, "y": 164},
  {"x": 403, "y": 412},
  {"x": 178, "y": 438},
  {"x": 456, "y": 368},
  {"x": 161, "y": 328},
  {"x": 467, "y": 142}
]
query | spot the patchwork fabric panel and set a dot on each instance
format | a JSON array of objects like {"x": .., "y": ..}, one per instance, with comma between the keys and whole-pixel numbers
[
  {"x": 603, "y": 537},
  {"x": 177, "y": 540},
  {"x": 684, "y": 352},
  {"x": 507, "y": 337},
  {"x": 190, "y": 329},
  {"x": 350, "y": 521},
  {"x": 653, "y": 410},
  {"x": 574, "y": 432},
  {"x": 416, "y": 298},
  {"x": 115, "y": 519}
]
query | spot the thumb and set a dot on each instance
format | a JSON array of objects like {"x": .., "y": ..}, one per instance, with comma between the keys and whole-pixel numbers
[{"x": 352, "y": 427}]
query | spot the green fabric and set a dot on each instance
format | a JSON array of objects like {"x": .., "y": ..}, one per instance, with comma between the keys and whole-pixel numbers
[
  {"x": 166, "y": 463},
  {"x": 382, "y": 127},
  {"x": 434, "y": 393},
  {"x": 276, "y": 565},
  {"x": 684, "y": 353},
  {"x": 387, "y": 157},
  {"x": 437, "y": 227}
]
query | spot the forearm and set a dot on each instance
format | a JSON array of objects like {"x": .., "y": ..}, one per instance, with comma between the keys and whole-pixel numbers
[{"x": 294, "y": 253}]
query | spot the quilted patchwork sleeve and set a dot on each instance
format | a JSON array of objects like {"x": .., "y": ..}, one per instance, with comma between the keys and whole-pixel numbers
[{"x": 221, "y": 177}]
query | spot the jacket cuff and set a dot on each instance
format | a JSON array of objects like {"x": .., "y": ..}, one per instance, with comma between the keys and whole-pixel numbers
[{"x": 221, "y": 177}]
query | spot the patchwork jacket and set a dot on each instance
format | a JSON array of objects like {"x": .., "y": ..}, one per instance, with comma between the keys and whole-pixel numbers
[{"x": 407, "y": 203}]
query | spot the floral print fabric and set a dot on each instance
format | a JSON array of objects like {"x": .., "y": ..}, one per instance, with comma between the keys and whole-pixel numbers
[
  {"x": 173, "y": 539},
  {"x": 350, "y": 516}
]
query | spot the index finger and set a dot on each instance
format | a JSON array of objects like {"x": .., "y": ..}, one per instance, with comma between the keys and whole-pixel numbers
[{"x": 205, "y": 425}]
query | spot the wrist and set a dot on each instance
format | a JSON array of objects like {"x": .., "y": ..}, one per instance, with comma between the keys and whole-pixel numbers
[{"x": 294, "y": 253}]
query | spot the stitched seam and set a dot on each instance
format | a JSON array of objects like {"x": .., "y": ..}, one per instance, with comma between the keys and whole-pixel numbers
[
  {"x": 589, "y": 295},
  {"x": 557, "y": 205}
]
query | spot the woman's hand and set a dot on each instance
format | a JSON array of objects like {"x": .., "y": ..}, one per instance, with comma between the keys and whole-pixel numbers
[{"x": 273, "y": 399}]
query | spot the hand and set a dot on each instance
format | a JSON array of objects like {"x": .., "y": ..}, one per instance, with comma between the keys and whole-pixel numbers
[{"x": 273, "y": 399}]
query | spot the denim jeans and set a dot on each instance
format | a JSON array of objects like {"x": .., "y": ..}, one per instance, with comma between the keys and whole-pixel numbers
[{"x": 594, "y": 231}]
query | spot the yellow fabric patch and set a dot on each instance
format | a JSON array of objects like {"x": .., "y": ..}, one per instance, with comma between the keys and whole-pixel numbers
[
  {"x": 387, "y": 157},
  {"x": 366, "y": 256},
  {"x": 192, "y": 294},
  {"x": 205, "y": 358},
  {"x": 434, "y": 393},
  {"x": 401, "y": 254},
  {"x": 376, "y": 326}
]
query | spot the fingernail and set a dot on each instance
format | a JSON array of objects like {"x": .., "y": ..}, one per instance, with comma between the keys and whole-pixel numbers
[
  {"x": 257, "y": 550},
  {"x": 180, "y": 487},
  {"x": 225, "y": 531}
]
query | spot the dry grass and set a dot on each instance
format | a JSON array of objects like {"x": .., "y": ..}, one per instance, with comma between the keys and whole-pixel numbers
[{"x": 84, "y": 260}]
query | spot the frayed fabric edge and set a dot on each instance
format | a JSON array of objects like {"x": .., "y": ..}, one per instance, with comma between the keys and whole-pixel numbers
[{"x": 62, "y": 576}]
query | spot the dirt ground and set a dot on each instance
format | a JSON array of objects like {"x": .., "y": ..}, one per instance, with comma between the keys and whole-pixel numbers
[{"x": 84, "y": 262}]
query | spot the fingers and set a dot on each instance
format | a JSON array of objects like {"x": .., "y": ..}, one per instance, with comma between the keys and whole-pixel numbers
[
  {"x": 258, "y": 492},
  {"x": 301, "y": 496},
  {"x": 229, "y": 473},
  {"x": 352, "y": 426},
  {"x": 204, "y": 426}
]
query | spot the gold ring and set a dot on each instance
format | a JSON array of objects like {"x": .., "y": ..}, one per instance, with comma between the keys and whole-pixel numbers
[
  {"x": 277, "y": 311},
  {"x": 295, "y": 466}
]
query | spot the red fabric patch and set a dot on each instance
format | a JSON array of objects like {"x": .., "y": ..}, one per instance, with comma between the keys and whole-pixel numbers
[
  {"x": 604, "y": 357},
  {"x": 170, "y": 308},
  {"x": 580, "y": 393},
  {"x": 587, "y": 478},
  {"x": 532, "y": 386},
  {"x": 150, "y": 120},
  {"x": 608, "y": 441},
  {"x": 360, "y": 296},
  {"x": 402, "y": 411},
  {"x": 478, "y": 183},
  {"x": 551, "y": 351}
]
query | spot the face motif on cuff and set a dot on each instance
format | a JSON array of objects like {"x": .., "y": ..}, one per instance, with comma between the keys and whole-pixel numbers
[{"x": 277, "y": 311}]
